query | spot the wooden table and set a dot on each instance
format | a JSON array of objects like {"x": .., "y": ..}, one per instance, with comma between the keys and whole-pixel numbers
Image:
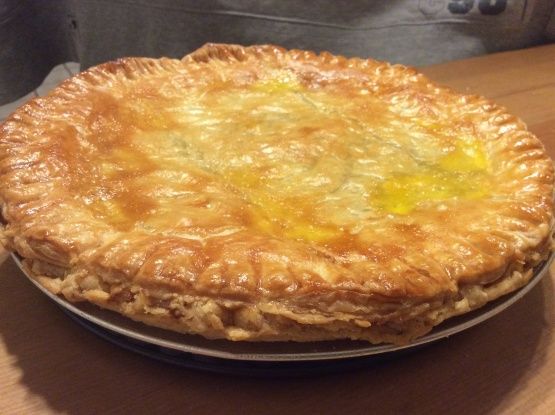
[{"x": 48, "y": 364}]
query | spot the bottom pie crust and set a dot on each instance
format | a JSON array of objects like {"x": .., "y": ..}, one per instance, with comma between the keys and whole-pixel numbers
[{"x": 273, "y": 321}]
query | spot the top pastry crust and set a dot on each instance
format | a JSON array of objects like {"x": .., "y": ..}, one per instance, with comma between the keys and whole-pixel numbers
[{"x": 255, "y": 193}]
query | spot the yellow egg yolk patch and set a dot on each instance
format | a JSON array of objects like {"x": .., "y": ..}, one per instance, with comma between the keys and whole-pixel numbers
[
  {"x": 281, "y": 82},
  {"x": 461, "y": 173},
  {"x": 277, "y": 215}
]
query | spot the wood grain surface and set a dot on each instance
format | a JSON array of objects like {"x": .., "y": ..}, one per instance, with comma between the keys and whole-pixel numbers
[{"x": 50, "y": 365}]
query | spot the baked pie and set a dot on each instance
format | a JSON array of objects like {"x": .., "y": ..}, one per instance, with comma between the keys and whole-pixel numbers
[{"x": 256, "y": 193}]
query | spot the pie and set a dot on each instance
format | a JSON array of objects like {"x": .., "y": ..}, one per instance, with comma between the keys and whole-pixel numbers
[{"x": 262, "y": 194}]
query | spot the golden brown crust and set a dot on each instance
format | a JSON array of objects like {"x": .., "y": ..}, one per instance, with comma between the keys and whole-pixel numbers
[{"x": 261, "y": 194}]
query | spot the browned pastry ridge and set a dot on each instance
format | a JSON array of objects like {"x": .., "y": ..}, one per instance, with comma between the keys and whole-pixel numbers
[{"x": 255, "y": 193}]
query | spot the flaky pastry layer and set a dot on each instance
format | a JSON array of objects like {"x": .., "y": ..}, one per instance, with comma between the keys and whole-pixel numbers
[{"x": 254, "y": 193}]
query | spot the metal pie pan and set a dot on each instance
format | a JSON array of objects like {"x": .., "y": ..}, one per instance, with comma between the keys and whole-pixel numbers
[{"x": 144, "y": 339}]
